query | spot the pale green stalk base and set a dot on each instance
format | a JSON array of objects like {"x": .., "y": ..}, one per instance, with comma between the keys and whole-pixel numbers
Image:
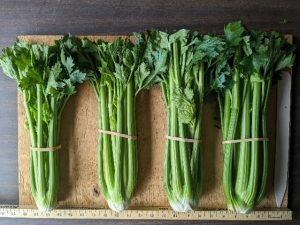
[
  {"x": 117, "y": 207},
  {"x": 243, "y": 210},
  {"x": 44, "y": 206},
  {"x": 239, "y": 208},
  {"x": 185, "y": 205}
]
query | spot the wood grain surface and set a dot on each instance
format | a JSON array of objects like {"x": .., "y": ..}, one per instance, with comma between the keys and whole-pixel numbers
[{"x": 122, "y": 17}]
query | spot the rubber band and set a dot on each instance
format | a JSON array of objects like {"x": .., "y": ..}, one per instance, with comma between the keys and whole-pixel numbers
[
  {"x": 113, "y": 133},
  {"x": 244, "y": 140},
  {"x": 48, "y": 149},
  {"x": 188, "y": 140}
]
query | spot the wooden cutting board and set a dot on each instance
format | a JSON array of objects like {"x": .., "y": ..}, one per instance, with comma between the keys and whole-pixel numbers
[{"x": 78, "y": 157}]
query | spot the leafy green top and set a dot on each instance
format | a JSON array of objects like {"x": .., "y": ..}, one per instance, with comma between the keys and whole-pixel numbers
[
  {"x": 180, "y": 57},
  {"x": 50, "y": 66},
  {"x": 42, "y": 68},
  {"x": 251, "y": 51},
  {"x": 118, "y": 61}
]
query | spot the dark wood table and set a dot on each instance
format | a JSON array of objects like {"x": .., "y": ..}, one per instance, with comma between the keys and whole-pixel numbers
[{"x": 20, "y": 17}]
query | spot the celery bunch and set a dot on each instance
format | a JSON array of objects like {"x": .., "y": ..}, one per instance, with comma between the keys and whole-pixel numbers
[
  {"x": 190, "y": 58},
  {"x": 243, "y": 78},
  {"x": 117, "y": 71},
  {"x": 46, "y": 76}
]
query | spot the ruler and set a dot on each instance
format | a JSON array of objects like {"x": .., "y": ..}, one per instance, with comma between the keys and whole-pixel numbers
[{"x": 146, "y": 214}]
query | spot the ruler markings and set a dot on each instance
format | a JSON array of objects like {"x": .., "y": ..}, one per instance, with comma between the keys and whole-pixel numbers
[{"x": 165, "y": 214}]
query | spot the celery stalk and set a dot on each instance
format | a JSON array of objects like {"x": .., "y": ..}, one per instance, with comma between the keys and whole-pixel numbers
[
  {"x": 243, "y": 78},
  {"x": 46, "y": 76}
]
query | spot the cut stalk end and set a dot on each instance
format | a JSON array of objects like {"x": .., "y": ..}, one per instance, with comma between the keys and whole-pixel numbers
[
  {"x": 117, "y": 206},
  {"x": 240, "y": 208},
  {"x": 45, "y": 207},
  {"x": 184, "y": 205},
  {"x": 243, "y": 210}
]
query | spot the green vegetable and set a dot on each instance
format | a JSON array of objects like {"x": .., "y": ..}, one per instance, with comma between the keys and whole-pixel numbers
[
  {"x": 243, "y": 78},
  {"x": 190, "y": 58},
  {"x": 46, "y": 76},
  {"x": 118, "y": 71}
]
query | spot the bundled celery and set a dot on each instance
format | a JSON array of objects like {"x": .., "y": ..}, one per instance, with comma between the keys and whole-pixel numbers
[
  {"x": 243, "y": 78},
  {"x": 46, "y": 77},
  {"x": 190, "y": 59},
  {"x": 118, "y": 71}
]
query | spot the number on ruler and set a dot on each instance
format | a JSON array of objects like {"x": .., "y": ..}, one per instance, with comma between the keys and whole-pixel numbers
[{"x": 163, "y": 214}]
